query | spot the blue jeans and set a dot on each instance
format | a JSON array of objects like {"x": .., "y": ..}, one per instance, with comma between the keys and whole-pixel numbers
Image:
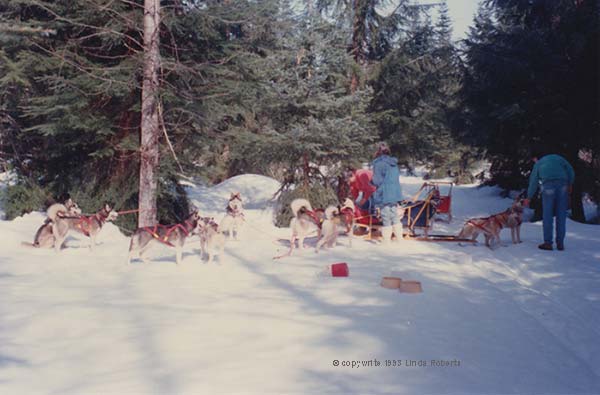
[
  {"x": 555, "y": 201},
  {"x": 389, "y": 214}
]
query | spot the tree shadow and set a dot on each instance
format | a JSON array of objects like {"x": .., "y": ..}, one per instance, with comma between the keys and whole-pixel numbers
[{"x": 460, "y": 312}]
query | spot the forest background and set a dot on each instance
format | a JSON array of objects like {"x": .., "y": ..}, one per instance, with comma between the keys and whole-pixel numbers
[{"x": 296, "y": 90}]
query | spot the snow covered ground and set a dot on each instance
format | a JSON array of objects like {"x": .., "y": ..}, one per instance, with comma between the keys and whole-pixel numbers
[{"x": 517, "y": 320}]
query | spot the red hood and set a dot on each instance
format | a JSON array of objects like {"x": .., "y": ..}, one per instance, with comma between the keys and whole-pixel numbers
[{"x": 362, "y": 182}]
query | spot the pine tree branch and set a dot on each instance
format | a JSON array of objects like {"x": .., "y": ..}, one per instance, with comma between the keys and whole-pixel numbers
[
  {"x": 75, "y": 23},
  {"x": 162, "y": 123},
  {"x": 77, "y": 66}
]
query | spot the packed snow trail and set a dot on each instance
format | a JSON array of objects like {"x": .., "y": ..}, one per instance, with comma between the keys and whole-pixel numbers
[{"x": 518, "y": 320}]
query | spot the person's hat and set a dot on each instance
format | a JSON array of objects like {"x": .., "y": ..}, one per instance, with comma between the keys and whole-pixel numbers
[{"x": 383, "y": 148}]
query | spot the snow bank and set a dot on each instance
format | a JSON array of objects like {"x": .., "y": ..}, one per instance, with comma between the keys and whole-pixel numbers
[{"x": 256, "y": 191}]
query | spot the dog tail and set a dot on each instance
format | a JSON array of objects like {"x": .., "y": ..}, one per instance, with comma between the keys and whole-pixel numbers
[
  {"x": 54, "y": 210},
  {"x": 300, "y": 205}
]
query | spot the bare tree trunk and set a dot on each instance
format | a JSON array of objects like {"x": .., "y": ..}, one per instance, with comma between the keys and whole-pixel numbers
[{"x": 150, "y": 127}]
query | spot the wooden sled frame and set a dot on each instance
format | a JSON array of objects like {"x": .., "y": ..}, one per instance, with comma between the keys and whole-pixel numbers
[
  {"x": 445, "y": 201},
  {"x": 432, "y": 188}
]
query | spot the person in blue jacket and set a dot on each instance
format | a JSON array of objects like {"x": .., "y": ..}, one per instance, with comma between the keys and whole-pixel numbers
[
  {"x": 386, "y": 178},
  {"x": 555, "y": 176}
]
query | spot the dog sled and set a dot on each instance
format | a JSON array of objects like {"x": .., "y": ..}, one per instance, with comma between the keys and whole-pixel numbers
[
  {"x": 443, "y": 202},
  {"x": 419, "y": 212}
]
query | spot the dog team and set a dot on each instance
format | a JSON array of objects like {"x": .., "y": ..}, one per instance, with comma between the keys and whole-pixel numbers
[
  {"x": 327, "y": 223},
  {"x": 65, "y": 217},
  {"x": 329, "y": 220}
]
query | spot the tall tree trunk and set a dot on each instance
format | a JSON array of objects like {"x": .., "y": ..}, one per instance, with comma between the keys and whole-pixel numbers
[{"x": 150, "y": 128}]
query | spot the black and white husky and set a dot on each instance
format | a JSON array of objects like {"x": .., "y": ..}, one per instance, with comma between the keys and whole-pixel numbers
[
  {"x": 234, "y": 217},
  {"x": 212, "y": 240}
]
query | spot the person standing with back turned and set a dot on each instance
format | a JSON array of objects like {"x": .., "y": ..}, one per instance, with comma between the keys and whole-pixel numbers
[
  {"x": 386, "y": 178},
  {"x": 555, "y": 176}
]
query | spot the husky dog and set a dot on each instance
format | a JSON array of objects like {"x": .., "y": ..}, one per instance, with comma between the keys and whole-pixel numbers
[
  {"x": 303, "y": 222},
  {"x": 234, "y": 218},
  {"x": 489, "y": 226},
  {"x": 346, "y": 211},
  {"x": 171, "y": 235},
  {"x": 212, "y": 241},
  {"x": 329, "y": 228},
  {"x": 53, "y": 231},
  {"x": 515, "y": 219},
  {"x": 91, "y": 225}
]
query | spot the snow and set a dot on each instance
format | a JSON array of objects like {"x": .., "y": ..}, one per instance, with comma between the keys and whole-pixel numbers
[
  {"x": 6, "y": 178},
  {"x": 519, "y": 320}
]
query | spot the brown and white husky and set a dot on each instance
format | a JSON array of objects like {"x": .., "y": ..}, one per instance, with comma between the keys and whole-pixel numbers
[
  {"x": 91, "y": 225},
  {"x": 234, "y": 218},
  {"x": 329, "y": 228},
  {"x": 170, "y": 235},
  {"x": 492, "y": 226}
]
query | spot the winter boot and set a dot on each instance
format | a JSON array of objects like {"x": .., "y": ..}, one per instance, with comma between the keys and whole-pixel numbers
[
  {"x": 397, "y": 229},
  {"x": 386, "y": 234}
]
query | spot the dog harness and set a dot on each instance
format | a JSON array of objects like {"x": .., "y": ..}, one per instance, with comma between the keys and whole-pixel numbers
[
  {"x": 348, "y": 214},
  {"x": 313, "y": 215},
  {"x": 492, "y": 218},
  {"x": 234, "y": 213},
  {"x": 153, "y": 230},
  {"x": 85, "y": 222}
]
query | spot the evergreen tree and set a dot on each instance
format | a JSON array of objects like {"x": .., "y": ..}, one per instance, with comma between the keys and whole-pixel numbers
[
  {"x": 306, "y": 122},
  {"x": 415, "y": 97},
  {"x": 77, "y": 116},
  {"x": 372, "y": 32},
  {"x": 443, "y": 26},
  {"x": 532, "y": 80}
]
